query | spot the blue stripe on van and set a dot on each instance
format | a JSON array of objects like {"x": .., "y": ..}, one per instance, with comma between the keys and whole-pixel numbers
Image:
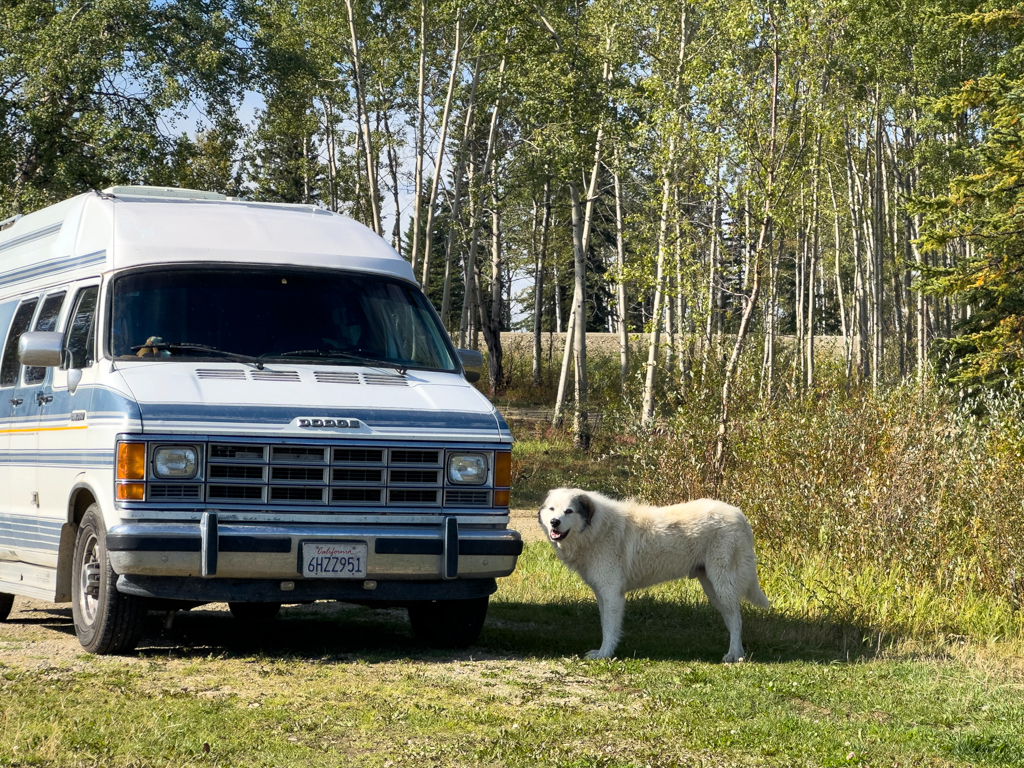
[
  {"x": 95, "y": 459},
  {"x": 33, "y": 532},
  {"x": 28, "y": 237},
  {"x": 53, "y": 265},
  {"x": 284, "y": 414}
]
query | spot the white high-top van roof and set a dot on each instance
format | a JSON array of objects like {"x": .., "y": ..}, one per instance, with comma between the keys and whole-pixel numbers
[{"x": 135, "y": 226}]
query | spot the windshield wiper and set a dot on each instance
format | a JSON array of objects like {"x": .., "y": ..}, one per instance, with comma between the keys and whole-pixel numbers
[
  {"x": 371, "y": 361},
  {"x": 185, "y": 345}
]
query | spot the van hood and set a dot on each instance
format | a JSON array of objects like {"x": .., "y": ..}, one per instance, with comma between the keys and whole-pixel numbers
[{"x": 309, "y": 401}]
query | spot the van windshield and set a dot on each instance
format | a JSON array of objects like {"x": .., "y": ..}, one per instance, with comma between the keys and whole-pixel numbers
[{"x": 327, "y": 317}]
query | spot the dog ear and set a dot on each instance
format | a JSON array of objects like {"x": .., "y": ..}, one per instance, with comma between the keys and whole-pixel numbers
[{"x": 586, "y": 507}]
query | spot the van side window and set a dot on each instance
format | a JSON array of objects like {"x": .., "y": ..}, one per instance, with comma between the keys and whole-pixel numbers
[
  {"x": 46, "y": 321},
  {"x": 10, "y": 365},
  {"x": 81, "y": 336}
]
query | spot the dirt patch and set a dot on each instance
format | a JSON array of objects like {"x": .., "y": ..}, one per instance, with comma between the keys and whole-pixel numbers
[{"x": 525, "y": 521}]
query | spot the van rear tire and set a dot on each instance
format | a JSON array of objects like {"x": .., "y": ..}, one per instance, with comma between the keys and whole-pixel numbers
[
  {"x": 106, "y": 621},
  {"x": 6, "y": 603}
]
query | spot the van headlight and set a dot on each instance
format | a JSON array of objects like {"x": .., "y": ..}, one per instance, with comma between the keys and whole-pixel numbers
[
  {"x": 467, "y": 468},
  {"x": 175, "y": 462}
]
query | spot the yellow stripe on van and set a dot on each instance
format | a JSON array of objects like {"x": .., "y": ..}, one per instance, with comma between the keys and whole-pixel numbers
[{"x": 41, "y": 429}]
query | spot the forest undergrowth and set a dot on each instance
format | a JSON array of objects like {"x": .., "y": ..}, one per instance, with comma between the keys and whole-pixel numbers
[{"x": 899, "y": 513}]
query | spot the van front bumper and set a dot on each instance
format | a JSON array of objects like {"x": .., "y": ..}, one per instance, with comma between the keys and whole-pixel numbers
[{"x": 213, "y": 551}]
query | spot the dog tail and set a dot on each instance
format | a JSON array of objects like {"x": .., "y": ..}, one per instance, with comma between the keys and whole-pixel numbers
[{"x": 756, "y": 596}]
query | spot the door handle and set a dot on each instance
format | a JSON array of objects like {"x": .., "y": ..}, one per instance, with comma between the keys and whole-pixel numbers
[
  {"x": 42, "y": 399},
  {"x": 16, "y": 401}
]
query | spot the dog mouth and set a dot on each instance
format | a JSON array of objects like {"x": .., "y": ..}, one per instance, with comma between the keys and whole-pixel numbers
[{"x": 558, "y": 535}]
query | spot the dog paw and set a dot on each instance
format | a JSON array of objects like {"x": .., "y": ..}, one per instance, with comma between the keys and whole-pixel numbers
[
  {"x": 598, "y": 655},
  {"x": 731, "y": 658}
]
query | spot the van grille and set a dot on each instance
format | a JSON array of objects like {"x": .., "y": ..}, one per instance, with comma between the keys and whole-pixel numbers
[{"x": 311, "y": 475}]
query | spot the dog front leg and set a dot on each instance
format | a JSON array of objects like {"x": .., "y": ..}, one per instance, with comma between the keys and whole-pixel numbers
[{"x": 611, "y": 602}]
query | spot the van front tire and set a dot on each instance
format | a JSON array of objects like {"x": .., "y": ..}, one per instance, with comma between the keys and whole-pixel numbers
[
  {"x": 6, "y": 603},
  {"x": 106, "y": 621}
]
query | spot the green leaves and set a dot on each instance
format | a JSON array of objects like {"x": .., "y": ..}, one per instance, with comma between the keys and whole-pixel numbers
[{"x": 90, "y": 89}]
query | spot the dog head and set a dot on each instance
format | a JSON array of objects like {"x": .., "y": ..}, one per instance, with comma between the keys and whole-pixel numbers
[{"x": 566, "y": 512}]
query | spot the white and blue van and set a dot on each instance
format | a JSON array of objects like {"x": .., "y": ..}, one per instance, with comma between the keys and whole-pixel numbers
[{"x": 212, "y": 400}]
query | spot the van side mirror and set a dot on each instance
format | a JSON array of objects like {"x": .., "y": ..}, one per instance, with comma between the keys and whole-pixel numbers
[
  {"x": 472, "y": 363},
  {"x": 41, "y": 349}
]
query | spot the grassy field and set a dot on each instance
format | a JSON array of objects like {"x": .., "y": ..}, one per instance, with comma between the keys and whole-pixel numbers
[
  {"x": 845, "y": 669},
  {"x": 330, "y": 685}
]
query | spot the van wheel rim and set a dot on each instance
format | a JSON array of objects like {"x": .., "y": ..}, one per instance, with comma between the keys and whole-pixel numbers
[{"x": 88, "y": 599}]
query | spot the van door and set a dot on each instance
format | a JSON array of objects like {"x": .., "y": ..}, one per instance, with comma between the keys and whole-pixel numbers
[
  {"x": 16, "y": 531},
  {"x": 31, "y": 480},
  {"x": 65, "y": 453},
  {"x": 7, "y": 310}
]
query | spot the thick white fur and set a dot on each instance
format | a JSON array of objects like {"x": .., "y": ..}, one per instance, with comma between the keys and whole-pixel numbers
[{"x": 619, "y": 546}]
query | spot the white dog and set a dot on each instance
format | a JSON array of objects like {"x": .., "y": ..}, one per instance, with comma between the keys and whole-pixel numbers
[{"x": 619, "y": 546}]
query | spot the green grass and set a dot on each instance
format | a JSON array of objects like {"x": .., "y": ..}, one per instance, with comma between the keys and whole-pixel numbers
[{"x": 338, "y": 686}]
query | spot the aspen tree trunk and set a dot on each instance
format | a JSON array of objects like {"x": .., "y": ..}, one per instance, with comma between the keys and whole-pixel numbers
[
  {"x": 468, "y": 266},
  {"x": 420, "y": 120},
  {"x": 859, "y": 287},
  {"x": 580, "y": 426},
  {"x": 878, "y": 352},
  {"x": 460, "y": 170},
  {"x": 682, "y": 351},
  {"x": 491, "y": 326},
  {"x": 331, "y": 149},
  {"x": 538, "y": 287},
  {"x": 442, "y": 137},
  {"x": 567, "y": 351},
  {"x": 647, "y": 411},
  {"x": 813, "y": 262},
  {"x": 800, "y": 273},
  {"x": 847, "y": 342},
  {"x": 709, "y": 336},
  {"x": 396, "y": 230},
  {"x": 620, "y": 288},
  {"x": 364, "y": 123}
]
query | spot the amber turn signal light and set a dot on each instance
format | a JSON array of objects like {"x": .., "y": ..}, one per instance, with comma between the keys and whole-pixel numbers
[
  {"x": 502, "y": 470},
  {"x": 501, "y": 498},
  {"x": 131, "y": 461},
  {"x": 131, "y": 491}
]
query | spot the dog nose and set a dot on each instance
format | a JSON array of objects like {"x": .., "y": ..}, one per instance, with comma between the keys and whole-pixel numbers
[{"x": 555, "y": 523}]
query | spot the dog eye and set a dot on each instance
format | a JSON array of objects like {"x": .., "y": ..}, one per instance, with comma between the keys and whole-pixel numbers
[{"x": 569, "y": 511}]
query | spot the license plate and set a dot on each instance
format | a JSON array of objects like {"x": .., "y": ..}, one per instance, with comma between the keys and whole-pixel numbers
[{"x": 346, "y": 560}]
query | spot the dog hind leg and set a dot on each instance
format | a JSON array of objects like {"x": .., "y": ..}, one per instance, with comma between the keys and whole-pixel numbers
[
  {"x": 728, "y": 604},
  {"x": 611, "y": 602}
]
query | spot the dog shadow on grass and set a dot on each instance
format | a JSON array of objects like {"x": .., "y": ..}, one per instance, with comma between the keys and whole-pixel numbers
[{"x": 659, "y": 629}]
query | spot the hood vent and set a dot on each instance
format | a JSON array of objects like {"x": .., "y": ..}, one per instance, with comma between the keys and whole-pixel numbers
[
  {"x": 336, "y": 377},
  {"x": 321, "y": 377},
  {"x": 228, "y": 374},
  {"x": 385, "y": 380},
  {"x": 275, "y": 376}
]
